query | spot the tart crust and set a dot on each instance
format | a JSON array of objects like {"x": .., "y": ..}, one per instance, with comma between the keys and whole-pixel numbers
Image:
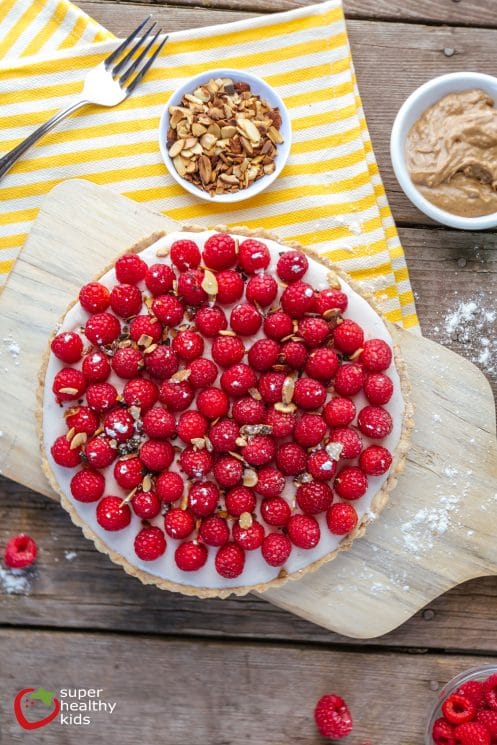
[{"x": 379, "y": 500}]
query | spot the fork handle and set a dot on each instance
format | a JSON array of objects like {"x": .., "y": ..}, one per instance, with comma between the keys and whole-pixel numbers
[{"x": 8, "y": 160}]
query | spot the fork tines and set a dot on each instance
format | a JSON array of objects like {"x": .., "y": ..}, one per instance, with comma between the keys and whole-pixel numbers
[{"x": 126, "y": 66}]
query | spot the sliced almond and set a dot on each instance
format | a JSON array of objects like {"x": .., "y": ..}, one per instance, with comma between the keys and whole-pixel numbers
[
  {"x": 255, "y": 394},
  {"x": 208, "y": 445},
  {"x": 150, "y": 349},
  {"x": 129, "y": 497},
  {"x": 176, "y": 148},
  {"x": 69, "y": 391},
  {"x": 236, "y": 455},
  {"x": 135, "y": 412},
  {"x": 147, "y": 482},
  {"x": 163, "y": 251},
  {"x": 71, "y": 434},
  {"x": 256, "y": 429},
  {"x": 241, "y": 442},
  {"x": 248, "y": 128},
  {"x": 145, "y": 340},
  {"x": 205, "y": 169},
  {"x": 198, "y": 442},
  {"x": 78, "y": 440},
  {"x": 180, "y": 165},
  {"x": 331, "y": 313},
  {"x": 180, "y": 375},
  {"x": 275, "y": 136},
  {"x": 356, "y": 354},
  {"x": 198, "y": 129},
  {"x": 226, "y": 332},
  {"x": 209, "y": 283},
  {"x": 285, "y": 408},
  {"x": 288, "y": 389},
  {"x": 183, "y": 505},
  {"x": 249, "y": 477},
  {"x": 245, "y": 520}
]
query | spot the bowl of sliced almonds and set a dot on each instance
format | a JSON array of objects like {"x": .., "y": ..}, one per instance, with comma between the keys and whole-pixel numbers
[{"x": 225, "y": 135}]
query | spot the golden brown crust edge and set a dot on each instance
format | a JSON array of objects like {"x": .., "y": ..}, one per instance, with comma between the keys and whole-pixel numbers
[{"x": 379, "y": 500}]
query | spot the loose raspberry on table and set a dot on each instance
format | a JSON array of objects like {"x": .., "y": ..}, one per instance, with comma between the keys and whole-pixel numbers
[
  {"x": 190, "y": 287},
  {"x": 314, "y": 497},
  {"x": 219, "y": 251},
  {"x": 320, "y": 466},
  {"x": 162, "y": 362},
  {"x": 227, "y": 350},
  {"x": 112, "y": 514},
  {"x": 309, "y": 430},
  {"x": 94, "y": 297},
  {"x": 20, "y": 551},
  {"x": 351, "y": 483},
  {"x": 291, "y": 266},
  {"x": 270, "y": 386},
  {"x": 223, "y": 435},
  {"x": 271, "y": 482},
  {"x": 191, "y": 425},
  {"x": 303, "y": 531},
  {"x": 102, "y": 328},
  {"x": 159, "y": 279},
  {"x": 332, "y": 717},
  {"x": 179, "y": 523},
  {"x": 341, "y": 518},
  {"x": 253, "y": 256},
  {"x": 146, "y": 504},
  {"x": 375, "y": 460},
  {"x": 119, "y": 425},
  {"x": 245, "y": 319},
  {"x": 188, "y": 345},
  {"x": 309, "y": 394},
  {"x": 101, "y": 397},
  {"x": 261, "y": 289},
  {"x": 185, "y": 254},
  {"x": 443, "y": 733},
  {"x": 238, "y": 379},
  {"x": 228, "y": 471},
  {"x": 129, "y": 473},
  {"x": 348, "y": 336},
  {"x": 281, "y": 422},
  {"x": 169, "y": 486},
  {"x": 349, "y": 379},
  {"x": 87, "y": 485},
  {"x": 378, "y": 389},
  {"x": 156, "y": 455},
  {"x": 100, "y": 452},
  {"x": 196, "y": 463},
  {"x": 210, "y": 320},
  {"x": 329, "y": 299},
  {"x": 230, "y": 560},
  {"x": 177, "y": 395},
  {"x": 487, "y": 717},
  {"x": 350, "y": 439},
  {"x": 248, "y": 411},
  {"x": 143, "y": 326},
  {"x": 263, "y": 354},
  {"x": 240, "y": 499},
  {"x": 63, "y": 455},
  {"x": 291, "y": 459},
  {"x": 313, "y": 331},
  {"x": 278, "y": 325},
  {"x": 82, "y": 419},
  {"x": 214, "y": 531},
  {"x": 294, "y": 354},
  {"x": 125, "y": 300},
  {"x": 203, "y": 498},
  {"x": 339, "y": 412},
  {"x": 150, "y": 543},
  {"x": 260, "y": 450},
  {"x": 67, "y": 347},
  {"x": 159, "y": 424},
  {"x": 276, "y": 548},
  {"x": 276, "y": 511},
  {"x": 213, "y": 403},
  {"x": 472, "y": 733},
  {"x": 203, "y": 373},
  {"x": 230, "y": 287},
  {"x": 473, "y": 689},
  {"x": 376, "y": 355},
  {"x": 130, "y": 269},
  {"x": 127, "y": 362},
  {"x": 140, "y": 392},
  {"x": 190, "y": 556},
  {"x": 168, "y": 309},
  {"x": 69, "y": 384},
  {"x": 249, "y": 538},
  {"x": 375, "y": 422},
  {"x": 322, "y": 364},
  {"x": 298, "y": 299}
]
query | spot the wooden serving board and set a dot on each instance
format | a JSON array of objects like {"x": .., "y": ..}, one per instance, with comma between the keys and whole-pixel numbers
[{"x": 439, "y": 528}]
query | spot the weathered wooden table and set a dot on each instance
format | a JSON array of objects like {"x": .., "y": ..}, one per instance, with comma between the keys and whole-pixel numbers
[{"x": 221, "y": 672}]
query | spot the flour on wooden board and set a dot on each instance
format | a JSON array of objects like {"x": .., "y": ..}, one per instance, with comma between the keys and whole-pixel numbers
[
  {"x": 472, "y": 323},
  {"x": 14, "y": 581}
]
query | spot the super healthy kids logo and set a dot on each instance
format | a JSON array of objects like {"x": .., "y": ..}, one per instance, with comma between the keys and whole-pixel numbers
[{"x": 37, "y": 707}]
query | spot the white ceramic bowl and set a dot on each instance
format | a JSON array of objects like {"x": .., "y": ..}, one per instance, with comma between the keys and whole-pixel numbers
[
  {"x": 260, "y": 88},
  {"x": 422, "y": 98}
]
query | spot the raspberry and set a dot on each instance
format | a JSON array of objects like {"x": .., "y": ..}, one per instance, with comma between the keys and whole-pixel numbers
[
  {"x": 294, "y": 354},
  {"x": 219, "y": 251},
  {"x": 190, "y": 556},
  {"x": 195, "y": 463},
  {"x": 313, "y": 331},
  {"x": 260, "y": 450},
  {"x": 230, "y": 560},
  {"x": 303, "y": 531},
  {"x": 350, "y": 439},
  {"x": 119, "y": 425},
  {"x": 102, "y": 328},
  {"x": 126, "y": 300},
  {"x": 248, "y": 411},
  {"x": 190, "y": 287},
  {"x": 185, "y": 254},
  {"x": 278, "y": 325},
  {"x": 472, "y": 733},
  {"x": 191, "y": 424},
  {"x": 261, "y": 289},
  {"x": 213, "y": 403},
  {"x": 203, "y": 498},
  {"x": 227, "y": 350},
  {"x": 321, "y": 466},
  {"x": 238, "y": 379},
  {"x": 146, "y": 504},
  {"x": 263, "y": 354},
  {"x": 253, "y": 256},
  {"x": 162, "y": 362},
  {"x": 291, "y": 266},
  {"x": 339, "y": 412},
  {"x": 156, "y": 455},
  {"x": 351, "y": 483},
  {"x": 87, "y": 485},
  {"x": 128, "y": 473},
  {"x": 332, "y": 717},
  {"x": 99, "y": 452},
  {"x": 349, "y": 379},
  {"x": 177, "y": 394},
  {"x": 223, "y": 435},
  {"x": 214, "y": 531},
  {"x": 490, "y": 691},
  {"x": 203, "y": 373},
  {"x": 309, "y": 393},
  {"x": 179, "y": 523},
  {"x": 473, "y": 689},
  {"x": 159, "y": 279},
  {"x": 159, "y": 424},
  {"x": 101, "y": 397},
  {"x": 82, "y": 419},
  {"x": 168, "y": 309},
  {"x": 140, "y": 392},
  {"x": 150, "y": 543},
  {"x": 309, "y": 430},
  {"x": 230, "y": 287},
  {"x": 62, "y": 453},
  {"x": 249, "y": 538},
  {"x": 20, "y": 551},
  {"x": 69, "y": 384},
  {"x": 322, "y": 364},
  {"x": 298, "y": 299},
  {"x": 169, "y": 486},
  {"x": 145, "y": 326},
  {"x": 376, "y": 355},
  {"x": 245, "y": 319},
  {"x": 210, "y": 320},
  {"x": 127, "y": 362},
  {"x": 67, "y": 347},
  {"x": 276, "y": 549},
  {"x": 240, "y": 499},
  {"x": 276, "y": 511},
  {"x": 348, "y": 336},
  {"x": 270, "y": 386},
  {"x": 378, "y": 389},
  {"x": 443, "y": 733},
  {"x": 282, "y": 422},
  {"x": 271, "y": 482},
  {"x": 188, "y": 345},
  {"x": 375, "y": 460},
  {"x": 130, "y": 269},
  {"x": 291, "y": 459},
  {"x": 374, "y": 422},
  {"x": 486, "y": 717},
  {"x": 341, "y": 518},
  {"x": 95, "y": 366},
  {"x": 314, "y": 497},
  {"x": 94, "y": 297},
  {"x": 228, "y": 471},
  {"x": 112, "y": 514},
  {"x": 330, "y": 298}
]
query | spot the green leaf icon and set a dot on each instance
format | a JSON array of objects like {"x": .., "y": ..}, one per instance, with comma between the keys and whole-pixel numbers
[{"x": 41, "y": 694}]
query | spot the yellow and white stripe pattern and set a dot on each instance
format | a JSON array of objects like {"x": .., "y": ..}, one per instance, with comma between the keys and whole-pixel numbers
[{"x": 328, "y": 196}]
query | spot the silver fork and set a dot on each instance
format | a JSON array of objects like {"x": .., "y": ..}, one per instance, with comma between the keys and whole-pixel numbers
[{"x": 107, "y": 84}]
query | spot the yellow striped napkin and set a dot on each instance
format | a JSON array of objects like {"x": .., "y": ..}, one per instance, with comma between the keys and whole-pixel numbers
[{"x": 329, "y": 195}]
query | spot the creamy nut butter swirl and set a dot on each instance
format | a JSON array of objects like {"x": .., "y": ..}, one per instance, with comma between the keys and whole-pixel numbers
[{"x": 451, "y": 154}]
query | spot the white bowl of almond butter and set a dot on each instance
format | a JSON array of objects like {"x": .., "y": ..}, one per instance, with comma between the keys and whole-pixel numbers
[{"x": 225, "y": 135}]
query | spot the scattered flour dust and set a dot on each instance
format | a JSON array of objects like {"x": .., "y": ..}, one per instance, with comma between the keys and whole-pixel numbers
[
  {"x": 14, "y": 581},
  {"x": 472, "y": 324},
  {"x": 70, "y": 555}
]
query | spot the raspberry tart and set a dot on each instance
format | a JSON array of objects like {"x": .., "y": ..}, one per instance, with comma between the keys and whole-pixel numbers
[{"x": 221, "y": 412}]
